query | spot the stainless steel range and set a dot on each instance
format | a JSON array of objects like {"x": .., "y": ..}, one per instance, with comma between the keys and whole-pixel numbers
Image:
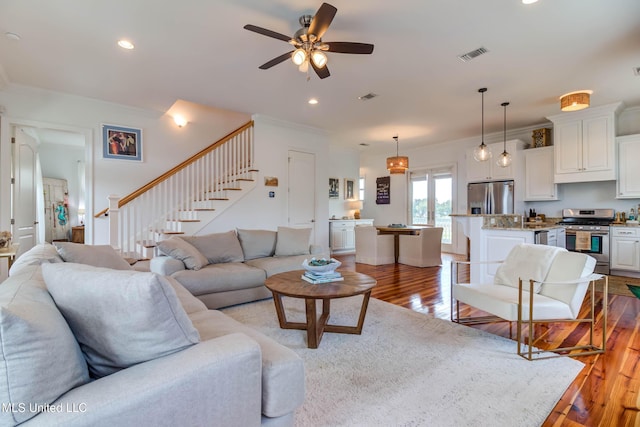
[{"x": 588, "y": 232}]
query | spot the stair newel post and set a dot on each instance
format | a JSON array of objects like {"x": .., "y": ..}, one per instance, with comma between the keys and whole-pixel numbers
[{"x": 114, "y": 221}]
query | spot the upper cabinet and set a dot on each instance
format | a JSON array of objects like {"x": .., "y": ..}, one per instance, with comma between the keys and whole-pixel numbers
[
  {"x": 628, "y": 185},
  {"x": 489, "y": 170},
  {"x": 584, "y": 144},
  {"x": 538, "y": 178}
]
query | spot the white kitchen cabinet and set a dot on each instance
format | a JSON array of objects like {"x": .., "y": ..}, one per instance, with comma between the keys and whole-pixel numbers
[
  {"x": 342, "y": 234},
  {"x": 625, "y": 249},
  {"x": 584, "y": 144},
  {"x": 561, "y": 237},
  {"x": 628, "y": 184},
  {"x": 489, "y": 170},
  {"x": 539, "y": 171}
]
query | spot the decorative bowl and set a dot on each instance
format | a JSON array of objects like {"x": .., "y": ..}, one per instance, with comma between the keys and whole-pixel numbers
[{"x": 322, "y": 265}]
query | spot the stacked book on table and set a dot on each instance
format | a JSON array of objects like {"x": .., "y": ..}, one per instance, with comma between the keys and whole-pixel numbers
[{"x": 325, "y": 277}]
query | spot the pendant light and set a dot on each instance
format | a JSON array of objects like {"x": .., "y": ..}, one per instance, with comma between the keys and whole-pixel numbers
[
  {"x": 505, "y": 158},
  {"x": 398, "y": 164},
  {"x": 482, "y": 152}
]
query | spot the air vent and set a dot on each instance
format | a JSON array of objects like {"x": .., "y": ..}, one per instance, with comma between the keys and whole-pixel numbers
[
  {"x": 636, "y": 71},
  {"x": 473, "y": 54},
  {"x": 367, "y": 97},
  {"x": 364, "y": 144}
]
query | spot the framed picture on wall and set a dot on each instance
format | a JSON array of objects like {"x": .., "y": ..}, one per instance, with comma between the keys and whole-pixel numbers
[
  {"x": 334, "y": 188},
  {"x": 122, "y": 143},
  {"x": 349, "y": 189}
]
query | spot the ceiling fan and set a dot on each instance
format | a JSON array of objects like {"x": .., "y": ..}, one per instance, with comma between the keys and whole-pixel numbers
[{"x": 309, "y": 47}]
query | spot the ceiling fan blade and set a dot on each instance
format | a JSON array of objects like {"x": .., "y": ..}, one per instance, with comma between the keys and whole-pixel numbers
[
  {"x": 323, "y": 72},
  {"x": 276, "y": 61},
  {"x": 349, "y": 47},
  {"x": 322, "y": 20},
  {"x": 267, "y": 33}
]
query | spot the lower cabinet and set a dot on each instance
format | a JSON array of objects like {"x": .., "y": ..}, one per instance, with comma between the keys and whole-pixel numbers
[
  {"x": 342, "y": 234},
  {"x": 625, "y": 249}
]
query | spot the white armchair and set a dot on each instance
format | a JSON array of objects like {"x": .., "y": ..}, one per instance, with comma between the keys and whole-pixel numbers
[
  {"x": 535, "y": 284},
  {"x": 422, "y": 250},
  {"x": 373, "y": 248}
]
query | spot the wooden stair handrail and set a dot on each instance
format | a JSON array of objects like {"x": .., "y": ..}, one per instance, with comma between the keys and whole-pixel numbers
[{"x": 126, "y": 199}]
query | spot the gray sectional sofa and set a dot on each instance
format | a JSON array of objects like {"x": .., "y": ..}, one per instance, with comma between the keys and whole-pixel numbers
[
  {"x": 103, "y": 346},
  {"x": 224, "y": 269}
]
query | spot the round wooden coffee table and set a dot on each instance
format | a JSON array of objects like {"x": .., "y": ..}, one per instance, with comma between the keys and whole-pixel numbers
[{"x": 290, "y": 284}]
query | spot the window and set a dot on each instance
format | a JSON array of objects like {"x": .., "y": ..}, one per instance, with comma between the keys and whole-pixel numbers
[
  {"x": 361, "y": 188},
  {"x": 431, "y": 199}
]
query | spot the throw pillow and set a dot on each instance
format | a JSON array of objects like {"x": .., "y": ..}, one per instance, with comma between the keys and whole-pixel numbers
[
  {"x": 527, "y": 261},
  {"x": 177, "y": 248},
  {"x": 120, "y": 318},
  {"x": 94, "y": 255},
  {"x": 40, "y": 359},
  {"x": 218, "y": 247},
  {"x": 257, "y": 243},
  {"x": 292, "y": 241}
]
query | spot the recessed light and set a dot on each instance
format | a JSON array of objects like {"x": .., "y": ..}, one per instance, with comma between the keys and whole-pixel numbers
[
  {"x": 529, "y": 1},
  {"x": 636, "y": 71},
  {"x": 313, "y": 101},
  {"x": 12, "y": 36},
  {"x": 125, "y": 44}
]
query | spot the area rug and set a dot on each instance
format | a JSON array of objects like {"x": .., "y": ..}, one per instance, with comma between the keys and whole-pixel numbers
[{"x": 409, "y": 369}]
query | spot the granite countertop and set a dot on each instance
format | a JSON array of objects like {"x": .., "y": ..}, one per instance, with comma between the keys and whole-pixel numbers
[
  {"x": 624, "y": 225},
  {"x": 541, "y": 227}
]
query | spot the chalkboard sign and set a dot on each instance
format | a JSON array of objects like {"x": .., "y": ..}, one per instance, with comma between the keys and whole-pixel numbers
[{"x": 383, "y": 194}]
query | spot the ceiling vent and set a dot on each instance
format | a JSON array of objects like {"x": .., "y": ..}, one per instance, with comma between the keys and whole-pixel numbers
[
  {"x": 367, "y": 97},
  {"x": 364, "y": 144},
  {"x": 473, "y": 54}
]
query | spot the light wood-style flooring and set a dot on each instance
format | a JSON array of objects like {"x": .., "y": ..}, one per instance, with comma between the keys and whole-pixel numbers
[{"x": 605, "y": 393}]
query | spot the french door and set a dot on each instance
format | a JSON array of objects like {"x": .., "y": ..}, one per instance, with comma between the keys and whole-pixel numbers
[{"x": 431, "y": 199}]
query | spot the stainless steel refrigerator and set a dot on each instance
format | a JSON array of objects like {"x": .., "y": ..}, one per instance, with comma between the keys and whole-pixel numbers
[{"x": 490, "y": 197}]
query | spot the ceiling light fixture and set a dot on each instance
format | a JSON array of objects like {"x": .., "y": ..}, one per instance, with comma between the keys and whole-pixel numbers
[
  {"x": 505, "y": 158},
  {"x": 319, "y": 58},
  {"x": 180, "y": 121},
  {"x": 574, "y": 101},
  {"x": 125, "y": 44},
  {"x": 398, "y": 164},
  {"x": 482, "y": 152},
  {"x": 12, "y": 36}
]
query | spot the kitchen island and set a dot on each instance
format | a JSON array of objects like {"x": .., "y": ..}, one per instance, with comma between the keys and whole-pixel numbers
[{"x": 491, "y": 238}]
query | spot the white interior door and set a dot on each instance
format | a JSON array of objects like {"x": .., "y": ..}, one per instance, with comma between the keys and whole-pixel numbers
[
  {"x": 302, "y": 190},
  {"x": 24, "y": 190}
]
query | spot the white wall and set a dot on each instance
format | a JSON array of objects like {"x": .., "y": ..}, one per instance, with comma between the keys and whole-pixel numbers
[
  {"x": 345, "y": 163},
  {"x": 164, "y": 144},
  {"x": 274, "y": 139}
]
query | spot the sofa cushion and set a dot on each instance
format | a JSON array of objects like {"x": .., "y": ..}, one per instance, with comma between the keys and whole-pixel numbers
[
  {"x": 94, "y": 255},
  {"x": 229, "y": 276},
  {"x": 39, "y": 254},
  {"x": 282, "y": 369},
  {"x": 177, "y": 248},
  {"x": 526, "y": 261},
  {"x": 257, "y": 243},
  {"x": 218, "y": 247},
  {"x": 40, "y": 359},
  {"x": 275, "y": 265},
  {"x": 292, "y": 241},
  {"x": 190, "y": 303},
  {"x": 120, "y": 318}
]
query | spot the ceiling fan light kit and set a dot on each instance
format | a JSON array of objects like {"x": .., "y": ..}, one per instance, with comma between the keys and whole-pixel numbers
[
  {"x": 482, "y": 152},
  {"x": 309, "y": 47}
]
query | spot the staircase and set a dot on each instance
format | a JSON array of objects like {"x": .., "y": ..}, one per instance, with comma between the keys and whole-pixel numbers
[{"x": 185, "y": 199}]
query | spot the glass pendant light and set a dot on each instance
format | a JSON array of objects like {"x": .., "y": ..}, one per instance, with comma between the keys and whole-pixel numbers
[
  {"x": 505, "y": 158},
  {"x": 482, "y": 152}
]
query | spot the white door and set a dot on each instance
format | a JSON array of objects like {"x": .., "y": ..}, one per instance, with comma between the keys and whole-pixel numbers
[
  {"x": 24, "y": 190},
  {"x": 302, "y": 190},
  {"x": 432, "y": 201}
]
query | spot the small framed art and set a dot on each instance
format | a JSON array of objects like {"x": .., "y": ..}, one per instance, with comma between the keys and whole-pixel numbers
[
  {"x": 122, "y": 143},
  {"x": 334, "y": 188},
  {"x": 349, "y": 189}
]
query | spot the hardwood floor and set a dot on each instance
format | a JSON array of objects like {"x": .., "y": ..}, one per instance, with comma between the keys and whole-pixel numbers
[{"x": 605, "y": 393}]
